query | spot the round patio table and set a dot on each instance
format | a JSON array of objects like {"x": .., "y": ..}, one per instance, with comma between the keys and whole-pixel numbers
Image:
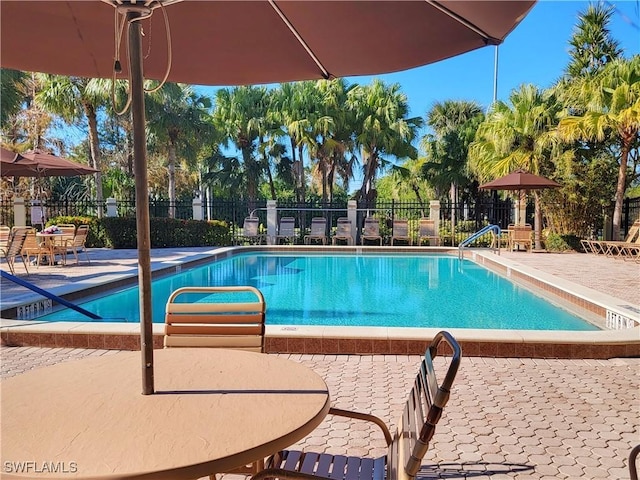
[{"x": 213, "y": 410}]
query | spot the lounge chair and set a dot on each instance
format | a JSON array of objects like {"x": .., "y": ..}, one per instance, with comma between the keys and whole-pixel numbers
[
  {"x": 14, "y": 247},
  {"x": 225, "y": 317},
  {"x": 613, "y": 247},
  {"x": 318, "y": 231},
  {"x": 406, "y": 448},
  {"x": 371, "y": 231},
  {"x": 520, "y": 235},
  {"x": 250, "y": 232},
  {"x": 427, "y": 231},
  {"x": 343, "y": 231},
  {"x": 400, "y": 231},
  {"x": 286, "y": 230}
]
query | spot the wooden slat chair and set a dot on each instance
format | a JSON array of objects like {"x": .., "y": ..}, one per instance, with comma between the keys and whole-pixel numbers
[
  {"x": 371, "y": 231},
  {"x": 400, "y": 231},
  {"x": 343, "y": 231},
  {"x": 427, "y": 231},
  {"x": 612, "y": 247},
  {"x": 78, "y": 244},
  {"x": 251, "y": 232},
  {"x": 521, "y": 235},
  {"x": 14, "y": 247},
  {"x": 5, "y": 233},
  {"x": 317, "y": 232},
  {"x": 34, "y": 247},
  {"x": 406, "y": 448},
  {"x": 223, "y": 317}
]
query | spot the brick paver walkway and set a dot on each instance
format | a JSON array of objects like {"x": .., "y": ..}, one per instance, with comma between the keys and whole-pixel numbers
[{"x": 507, "y": 418}]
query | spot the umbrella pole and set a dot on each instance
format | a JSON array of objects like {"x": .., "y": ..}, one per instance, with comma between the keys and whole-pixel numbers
[{"x": 142, "y": 201}]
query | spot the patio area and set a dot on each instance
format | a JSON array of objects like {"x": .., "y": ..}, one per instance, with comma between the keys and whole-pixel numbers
[{"x": 508, "y": 418}]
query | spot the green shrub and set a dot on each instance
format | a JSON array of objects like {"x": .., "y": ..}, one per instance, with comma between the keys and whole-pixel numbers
[{"x": 562, "y": 243}]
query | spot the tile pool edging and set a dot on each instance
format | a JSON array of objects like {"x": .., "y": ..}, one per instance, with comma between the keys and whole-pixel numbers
[{"x": 367, "y": 340}]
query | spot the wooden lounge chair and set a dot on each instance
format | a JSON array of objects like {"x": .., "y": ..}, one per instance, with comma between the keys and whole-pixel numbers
[
  {"x": 400, "y": 231},
  {"x": 407, "y": 447},
  {"x": 318, "y": 231},
  {"x": 371, "y": 231},
  {"x": 612, "y": 247},
  {"x": 343, "y": 231},
  {"x": 286, "y": 230},
  {"x": 427, "y": 231},
  {"x": 250, "y": 232},
  {"x": 520, "y": 235},
  {"x": 14, "y": 247},
  {"x": 225, "y": 317}
]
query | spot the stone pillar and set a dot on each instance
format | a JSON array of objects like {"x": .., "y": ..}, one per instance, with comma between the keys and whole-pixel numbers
[
  {"x": 198, "y": 214},
  {"x": 434, "y": 213},
  {"x": 352, "y": 215},
  {"x": 272, "y": 221},
  {"x": 112, "y": 207},
  {"x": 19, "y": 212}
]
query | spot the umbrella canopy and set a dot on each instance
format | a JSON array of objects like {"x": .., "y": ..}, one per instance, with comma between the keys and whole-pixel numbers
[
  {"x": 520, "y": 180},
  {"x": 250, "y": 42},
  {"x": 232, "y": 43},
  {"x": 40, "y": 164}
]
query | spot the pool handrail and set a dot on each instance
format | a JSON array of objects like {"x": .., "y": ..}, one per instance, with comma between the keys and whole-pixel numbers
[{"x": 495, "y": 244}]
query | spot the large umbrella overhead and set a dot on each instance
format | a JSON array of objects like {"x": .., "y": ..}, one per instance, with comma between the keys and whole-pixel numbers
[
  {"x": 520, "y": 180},
  {"x": 233, "y": 43},
  {"x": 40, "y": 164}
]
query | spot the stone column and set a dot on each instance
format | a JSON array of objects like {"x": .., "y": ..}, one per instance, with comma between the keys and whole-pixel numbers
[
  {"x": 112, "y": 207},
  {"x": 272, "y": 221},
  {"x": 352, "y": 215},
  {"x": 198, "y": 214},
  {"x": 19, "y": 212}
]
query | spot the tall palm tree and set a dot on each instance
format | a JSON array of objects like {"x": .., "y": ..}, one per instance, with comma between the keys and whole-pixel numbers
[
  {"x": 610, "y": 101},
  {"x": 239, "y": 114},
  {"x": 179, "y": 118},
  {"x": 12, "y": 86},
  {"x": 75, "y": 98},
  {"x": 516, "y": 135},
  {"x": 382, "y": 129}
]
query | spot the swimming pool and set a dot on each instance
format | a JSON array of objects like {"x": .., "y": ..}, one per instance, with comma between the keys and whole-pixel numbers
[{"x": 358, "y": 290}]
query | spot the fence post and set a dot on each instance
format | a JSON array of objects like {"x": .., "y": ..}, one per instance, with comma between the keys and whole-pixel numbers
[
  {"x": 434, "y": 214},
  {"x": 19, "y": 212},
  {"x": 197, "y": 209},
  {"x": 272, "y": 221},
  {"x": 352, "y": 214},
  {"x": 112, "y": 207}
]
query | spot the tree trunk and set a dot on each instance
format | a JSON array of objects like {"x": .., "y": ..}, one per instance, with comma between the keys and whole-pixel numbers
[
  {"x": 537, "y": 235},
  {"x": 171, "y": 167},
  {"x": 620, "y": 187},
  {"x": 94, "y": 146}
]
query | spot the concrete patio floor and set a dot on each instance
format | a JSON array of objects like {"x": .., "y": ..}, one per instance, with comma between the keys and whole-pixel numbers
[{"x": 508, "y": 418}]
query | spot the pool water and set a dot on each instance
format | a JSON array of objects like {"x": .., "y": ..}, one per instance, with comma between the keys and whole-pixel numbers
[{"x": 357, "y": 290}]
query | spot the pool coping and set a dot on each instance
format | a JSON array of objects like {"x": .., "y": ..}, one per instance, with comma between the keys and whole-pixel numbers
[{"x": 612, "y": 343}]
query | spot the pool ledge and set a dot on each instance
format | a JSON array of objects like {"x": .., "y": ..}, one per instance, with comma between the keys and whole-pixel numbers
[{"x": 609, "y": 343}]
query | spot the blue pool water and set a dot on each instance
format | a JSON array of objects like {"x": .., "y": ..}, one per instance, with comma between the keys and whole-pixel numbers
[{"x": 358, "y": 290}]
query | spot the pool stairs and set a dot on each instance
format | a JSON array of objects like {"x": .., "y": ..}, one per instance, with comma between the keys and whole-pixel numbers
[
  {"x": 495, "y": 242},
  {"x": 49, "y": 295}
]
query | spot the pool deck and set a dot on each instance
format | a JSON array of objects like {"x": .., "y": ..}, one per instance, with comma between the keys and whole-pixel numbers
[
  {"x": 508, "y": 418},
  {"x": 603, "y": 288}
]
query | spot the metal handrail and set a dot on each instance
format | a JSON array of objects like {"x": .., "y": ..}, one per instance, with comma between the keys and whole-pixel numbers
[{"x": 495, "y": 229}]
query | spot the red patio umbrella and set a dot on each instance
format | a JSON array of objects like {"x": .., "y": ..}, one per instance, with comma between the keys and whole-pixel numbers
[
  {"x": 520, "y": 180},
  {"x": 13, "y": 164},
  {"x": 40, "y": 164},
  {"x": 233, "y": 43}
]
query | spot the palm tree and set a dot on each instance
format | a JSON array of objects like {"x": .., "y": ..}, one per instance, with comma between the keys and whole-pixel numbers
[
  {"x": 12, "y": 86},
  {"x": 240, "y": 114},
  {"x": 454, "y": 124},
  {"x": 74, "y": 98},
  {"x": 382, "y": 129},
  {"x": 180, "y": 121},
  {"x": 610, "y": 101},
  {"x": 516, "y": 135}
]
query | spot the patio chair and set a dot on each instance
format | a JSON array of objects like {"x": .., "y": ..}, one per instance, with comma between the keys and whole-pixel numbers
[
  {"x": 520, "y": 235},
  {"x": 14, "y": 247},
  {"x": 612, "y": 247},
  {"x": 5, "y": 233},
  {"x": 427, "y": 231},
  {"x": 34, "y": 247},
  {"x": 343, "y": 231},
  {"x": 400, "y": 231},
  {"x": 224, "y": 317},
  {"x": 286, "y": 230},
  {"x": 250, "y": 232},
  {"x": 77, "y": 244},
  {"x": 371, "y": 231},
  {"x": 406, "y": 448},
  {"x": 318, "y": 231}
]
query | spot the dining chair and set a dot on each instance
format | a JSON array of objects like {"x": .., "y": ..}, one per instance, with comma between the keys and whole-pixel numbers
[
  {"x": 406, "y": 449},
  {"x": 14, "y": 247}
]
